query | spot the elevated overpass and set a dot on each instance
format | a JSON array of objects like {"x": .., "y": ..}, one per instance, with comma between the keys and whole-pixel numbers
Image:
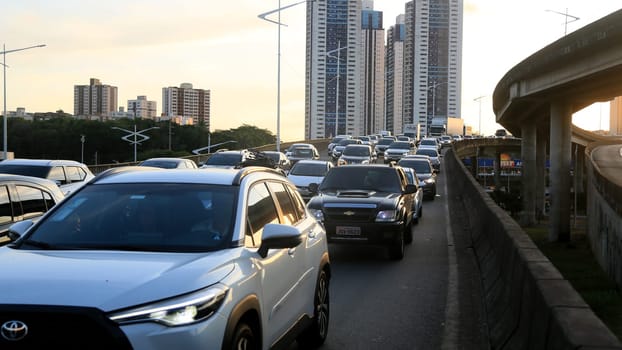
[{"x": 535, "y": 101}]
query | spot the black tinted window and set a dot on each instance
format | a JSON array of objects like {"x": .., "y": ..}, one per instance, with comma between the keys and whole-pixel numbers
[
  {"x": 261, "y": 211},
  {"x": 34, "y": 202},
  {"x": 6, "y": 212}
]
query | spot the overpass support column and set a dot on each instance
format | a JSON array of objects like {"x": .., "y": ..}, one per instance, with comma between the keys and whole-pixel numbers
[
  {"x": 561, "y": 119},
  {"x": 529, "y": 173},
  {"x": 541, "y": 172},
  {"x": 497, "y": 170}
]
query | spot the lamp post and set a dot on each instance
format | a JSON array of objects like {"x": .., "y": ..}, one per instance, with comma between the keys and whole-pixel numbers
[
  {"x": 338, "y": 57},
  {"x": 4, "y": 52},
  {"x": 479, "y": 99},
  {"x": 135, "y": 134},
  {"x": 278, "y": 88},
  {"x": 82, "y": 139},
  {"x": 574, "y": 18},
  {"x": 433, "y": 88}
]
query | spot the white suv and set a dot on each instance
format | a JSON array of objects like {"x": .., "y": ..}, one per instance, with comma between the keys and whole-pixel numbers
[
  {"x": 69, "y": 175},
  {"x": 145, "y": 258}
]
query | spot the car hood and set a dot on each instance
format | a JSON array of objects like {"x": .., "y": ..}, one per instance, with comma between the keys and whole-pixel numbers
[
  {"x": 347, "y": 197},
  {"x": 102, "y": 279}
]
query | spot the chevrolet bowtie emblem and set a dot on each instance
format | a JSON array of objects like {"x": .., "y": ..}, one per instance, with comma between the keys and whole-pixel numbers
[{"x": 348, "y": 213}]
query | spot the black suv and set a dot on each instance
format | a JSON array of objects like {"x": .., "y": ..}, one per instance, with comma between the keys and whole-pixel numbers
[{"x": 366, "y": 204}]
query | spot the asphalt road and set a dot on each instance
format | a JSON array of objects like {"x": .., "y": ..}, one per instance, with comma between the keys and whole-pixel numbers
[{"x": 428, "y": 300}]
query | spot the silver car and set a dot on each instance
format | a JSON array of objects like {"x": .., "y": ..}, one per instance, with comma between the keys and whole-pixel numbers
[{"x": 146, "y": 258}]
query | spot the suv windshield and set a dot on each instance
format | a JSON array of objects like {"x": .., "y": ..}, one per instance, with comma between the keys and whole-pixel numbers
[
  {"x": 307, "y": 169},
  {"x": 420, "y": 166},
  {"x": 356, "y": 151},
  {"x": 140, "y": 217},
  {"x": 400, "y": 145},
  {"x": 224, "y": 159},
  {"x": 385, "y": 142},
  {"x": 27, "y": 170},
  {"x": 427, "y": 152},
  {"x": 382, "y": 179}
]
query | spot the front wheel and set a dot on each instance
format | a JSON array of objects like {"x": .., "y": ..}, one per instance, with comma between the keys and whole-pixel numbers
[
  {"x": 244, "y": 338},
  {"x": 315, "y": 335},
  {"x": 396, "y": 249}
]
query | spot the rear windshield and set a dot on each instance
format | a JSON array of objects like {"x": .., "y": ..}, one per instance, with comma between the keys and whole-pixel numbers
[{"x": 27, "y": 170}]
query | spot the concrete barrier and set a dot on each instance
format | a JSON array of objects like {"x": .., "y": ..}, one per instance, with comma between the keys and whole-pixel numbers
[{"x": 529, "y": 305}]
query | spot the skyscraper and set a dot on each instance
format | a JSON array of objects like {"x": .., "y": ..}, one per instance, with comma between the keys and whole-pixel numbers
[
  {"x": 432, "y": 61},
  {"x": 94, "y": 100},
  {"x": 187, "y": 102},
  {"x": 333, "y": 69},
  {"x": 395, "y": 76},
  {"x": 373, "y": 70}
]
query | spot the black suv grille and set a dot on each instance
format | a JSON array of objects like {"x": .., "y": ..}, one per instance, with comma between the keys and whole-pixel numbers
[
  {"x": 55, "y": 327},
  {"x": 350, "y": 212}
]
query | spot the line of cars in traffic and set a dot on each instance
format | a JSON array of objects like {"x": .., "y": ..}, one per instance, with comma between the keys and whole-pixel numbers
[{"x": 232, "y": 257}]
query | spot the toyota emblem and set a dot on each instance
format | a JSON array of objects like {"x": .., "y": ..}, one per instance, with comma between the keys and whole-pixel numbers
[{"x": 14, "y": 330}]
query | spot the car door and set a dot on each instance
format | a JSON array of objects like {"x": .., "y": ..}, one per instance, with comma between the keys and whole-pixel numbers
[{"x": 279, "y": 275}]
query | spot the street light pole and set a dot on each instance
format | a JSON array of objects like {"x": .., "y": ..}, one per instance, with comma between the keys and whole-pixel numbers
[
  {"x": 574, "y": 19},
  {"x": 278, "y": 83},
  {"x": 338, "y": 77},
  {"x": 82, "y": 139},
  {"x": 479, "y": 99},
  {"x": 5, "y": 116},
  {"x": 135, "y": 134}
]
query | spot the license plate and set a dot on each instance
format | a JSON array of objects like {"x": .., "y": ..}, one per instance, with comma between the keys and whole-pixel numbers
[{"x": 348, "y": 231}]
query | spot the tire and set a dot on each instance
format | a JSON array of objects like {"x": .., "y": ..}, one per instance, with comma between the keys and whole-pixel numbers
[
  {"x": 420, "y": 213},
  {"x": 408, "y": 231},
  {"x": 315, "y": 335},
  {"x": 396, "y": 249},
  {"x": 244, "y": 338}
]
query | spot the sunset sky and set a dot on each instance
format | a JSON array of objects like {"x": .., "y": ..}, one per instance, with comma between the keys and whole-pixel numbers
[{"x": 142, "y": 46}]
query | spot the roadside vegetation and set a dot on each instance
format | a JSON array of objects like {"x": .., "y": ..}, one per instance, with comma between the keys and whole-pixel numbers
[
  {"x": 58, "y": 136},
  {"x": 577, "y": 264}
]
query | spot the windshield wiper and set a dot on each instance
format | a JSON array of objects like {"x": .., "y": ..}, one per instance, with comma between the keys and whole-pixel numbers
[{"x": 38, "y": 244}]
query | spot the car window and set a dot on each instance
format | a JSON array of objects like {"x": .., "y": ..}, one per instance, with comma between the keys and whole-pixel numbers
[
  {"x": 261, "y": 211},
  {"x": 6, "y": 211},
  {"x": 57, "y": 174},
  {"x": 34, "y": 201},
  {"x": 288, "y": 210},
  {"x": 75, "y": 174}
]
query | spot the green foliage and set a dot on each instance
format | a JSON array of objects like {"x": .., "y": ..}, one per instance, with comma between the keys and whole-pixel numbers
[{"x": 58, "y": 136}]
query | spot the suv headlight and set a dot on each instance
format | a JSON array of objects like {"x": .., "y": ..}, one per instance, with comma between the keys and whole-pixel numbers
[
  {"x": 318, "y": 214},
  {"x": 386, "y": 216},
  {"x": 178, "y": 311}
]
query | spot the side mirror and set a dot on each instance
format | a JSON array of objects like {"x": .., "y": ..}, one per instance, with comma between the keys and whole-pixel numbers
[
  {"x": 277, "y": 236},
  {"x": 410, "y": 188},
  {"x": 18, "y": 229},
  {"x": 314, "y": 188}
]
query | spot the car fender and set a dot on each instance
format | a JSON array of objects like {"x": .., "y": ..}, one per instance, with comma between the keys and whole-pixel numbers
[{"x": 248, "y": 303}]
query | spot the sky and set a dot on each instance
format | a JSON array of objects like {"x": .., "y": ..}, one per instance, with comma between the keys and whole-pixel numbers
[{"x": 141, "y": 46}]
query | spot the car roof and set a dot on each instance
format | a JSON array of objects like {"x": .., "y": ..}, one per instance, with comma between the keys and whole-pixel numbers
[
  {"x": 165, "y": 158},
  {"x": 216, "y": 176},
  {"x": 41, "y": 162},
  {"x": 312, "y": 161}
]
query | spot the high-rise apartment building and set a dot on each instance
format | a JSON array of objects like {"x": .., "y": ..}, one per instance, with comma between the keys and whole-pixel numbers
[
  {"x": 94, "y": 100},
  {"x": 432, "y": 61},
  {"x": 142, "y": 108},
  {"x": 333, "y": 91},
  {"x": 394, "y": 95},
  {"x": 187, "y": 102},
  {"x": 373, "y": 69}
]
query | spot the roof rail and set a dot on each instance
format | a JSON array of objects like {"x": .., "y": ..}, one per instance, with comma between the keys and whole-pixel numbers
[{"x": 254, "y": 169}]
